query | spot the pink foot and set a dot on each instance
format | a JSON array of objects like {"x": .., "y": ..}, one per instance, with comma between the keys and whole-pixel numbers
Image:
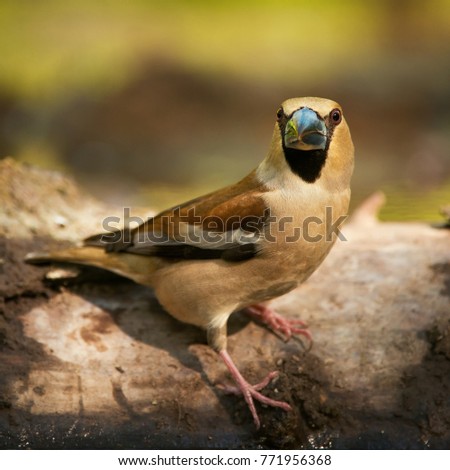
[
  {"x": 250, "y": 392},
  {"x": 278, "y": 323}
]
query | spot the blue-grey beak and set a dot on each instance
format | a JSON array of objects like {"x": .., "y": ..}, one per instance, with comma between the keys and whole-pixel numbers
[{"x": 305, "y": 131}]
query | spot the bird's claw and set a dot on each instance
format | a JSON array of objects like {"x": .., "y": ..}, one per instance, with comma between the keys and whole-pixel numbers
[
  {"x": 232, "y": 389},
  {"x": 251, "y": 392},
  {"x": 276, "y": 322}
]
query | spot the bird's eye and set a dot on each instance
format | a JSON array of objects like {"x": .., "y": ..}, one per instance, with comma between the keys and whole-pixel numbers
[
  {"x": 336, "y": 116},
  {"x": 280, "y": 113}
]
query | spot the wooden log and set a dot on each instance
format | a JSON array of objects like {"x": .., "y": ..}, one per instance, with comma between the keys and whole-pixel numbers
[{"x": 95, "y": 362}]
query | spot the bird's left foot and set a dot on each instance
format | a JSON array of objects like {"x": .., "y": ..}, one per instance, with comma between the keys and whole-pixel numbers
[{"x": 276, "y": 322}]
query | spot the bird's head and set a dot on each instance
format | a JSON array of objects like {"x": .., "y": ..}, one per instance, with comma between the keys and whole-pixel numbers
[{"x": 313, "y": 138}]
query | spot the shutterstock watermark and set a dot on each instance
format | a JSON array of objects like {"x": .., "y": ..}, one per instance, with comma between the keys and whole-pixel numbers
[{"x": 178, "y": 227}]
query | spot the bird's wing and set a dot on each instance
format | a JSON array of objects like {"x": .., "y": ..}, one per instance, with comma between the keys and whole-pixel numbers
[{"x": 224, "y": 224}]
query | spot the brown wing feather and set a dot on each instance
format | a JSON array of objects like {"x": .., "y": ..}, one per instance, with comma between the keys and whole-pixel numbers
[
  {"x": 239, "y": 206},
  {"x": 223, "y": 206}
]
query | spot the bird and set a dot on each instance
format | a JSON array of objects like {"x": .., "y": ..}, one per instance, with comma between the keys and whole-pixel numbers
[{"x": 242, "y": 246}]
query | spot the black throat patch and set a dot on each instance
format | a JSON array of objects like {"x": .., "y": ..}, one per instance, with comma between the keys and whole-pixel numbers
[{"x": 307, "y": 164}]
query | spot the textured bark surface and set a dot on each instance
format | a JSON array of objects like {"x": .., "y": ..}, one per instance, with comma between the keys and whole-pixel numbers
[{"x": 94, "y": 362}]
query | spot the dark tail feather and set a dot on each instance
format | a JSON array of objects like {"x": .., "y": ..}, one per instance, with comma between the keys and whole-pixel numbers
[
  {"x": 112, "y": 241},
  {"x": 137, "y": 268}
]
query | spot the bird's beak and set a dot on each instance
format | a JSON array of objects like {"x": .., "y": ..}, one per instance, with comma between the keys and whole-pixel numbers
[{"x": 305, "y": 131}]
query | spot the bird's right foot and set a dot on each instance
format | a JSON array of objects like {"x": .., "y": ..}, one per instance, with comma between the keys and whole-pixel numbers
[{"x": 251, "y": 392}]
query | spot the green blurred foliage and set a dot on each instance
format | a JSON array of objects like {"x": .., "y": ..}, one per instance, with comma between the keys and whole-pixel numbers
[
  {"x": 392, "y": 57},
  {"x": 50, "y": 47}
]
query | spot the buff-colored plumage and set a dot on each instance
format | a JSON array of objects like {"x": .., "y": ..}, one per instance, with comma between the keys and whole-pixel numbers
[{"x": 204, "y": 280}]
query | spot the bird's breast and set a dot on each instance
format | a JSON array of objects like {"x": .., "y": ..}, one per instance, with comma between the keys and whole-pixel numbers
[{"x": 302, "y": 228}]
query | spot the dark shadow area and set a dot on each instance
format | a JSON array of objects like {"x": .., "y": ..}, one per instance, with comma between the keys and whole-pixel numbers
[{"x": 443, "y": 269}]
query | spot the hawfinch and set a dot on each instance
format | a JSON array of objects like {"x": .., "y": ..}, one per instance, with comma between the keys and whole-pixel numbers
[{"x": 241, "y": 246}]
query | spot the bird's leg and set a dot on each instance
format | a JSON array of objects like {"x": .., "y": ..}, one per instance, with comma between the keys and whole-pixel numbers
[
  {"x": 217, "y": 339},
  {"x": 276, "y": 322}
]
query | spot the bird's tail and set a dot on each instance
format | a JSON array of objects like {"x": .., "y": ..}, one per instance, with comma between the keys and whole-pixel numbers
[{"x": 135, "y": 267}]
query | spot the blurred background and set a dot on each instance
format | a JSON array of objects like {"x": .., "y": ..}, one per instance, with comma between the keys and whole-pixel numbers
[{"x": 151, "y": 102}]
